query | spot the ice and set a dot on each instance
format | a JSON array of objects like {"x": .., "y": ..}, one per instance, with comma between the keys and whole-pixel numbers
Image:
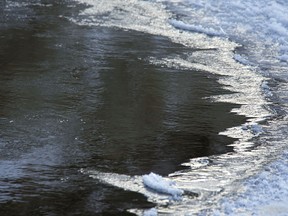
[
  {"x": 242, "y": 59},
  {"x": 260, "y": 29},
  {"x": 196, "y": 28},
  {"x": 255, "y": 128},
  {"x": 283, "y": 57},
  {"x": 157, "y": 189},
  {"x": 264, "y": 194},
  {"x": 284, "y": 48},
  {"x": 266, "y": 89},
  {"x": 264, "y": 23},
  {"x": 265, "y": 86},
  {"x": 161, "y": 185},
  {"x": 150, "y": 212},
  {"x": 261, "y": 23},
  {"x": 278, "y": 28}
]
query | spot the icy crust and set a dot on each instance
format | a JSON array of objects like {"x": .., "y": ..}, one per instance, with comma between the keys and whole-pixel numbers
[
  {"x": 213, "y": 179},
  {"x": 241, "y": 79},
  {"x": 143, "y": 16},
  {"x": 263, "y": 194},
  {"x": 263, "y": 24}
]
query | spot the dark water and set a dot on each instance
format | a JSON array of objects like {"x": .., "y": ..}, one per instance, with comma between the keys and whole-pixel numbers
[{"x": 76, "y": 97}]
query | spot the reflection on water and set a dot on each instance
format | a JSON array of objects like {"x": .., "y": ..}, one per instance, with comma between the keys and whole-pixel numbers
[{"x": 75, "y": 97}]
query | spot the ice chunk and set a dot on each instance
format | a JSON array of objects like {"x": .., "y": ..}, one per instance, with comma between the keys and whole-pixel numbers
[
  {"x": 161, "y": 185},
  {"x": 150, "y": 212}
]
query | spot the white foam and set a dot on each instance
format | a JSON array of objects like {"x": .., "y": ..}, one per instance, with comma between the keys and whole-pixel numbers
[{"x": 161, "y": 185}]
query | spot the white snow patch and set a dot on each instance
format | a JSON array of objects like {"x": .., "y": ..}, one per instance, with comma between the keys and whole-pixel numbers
[
  {"x": 161, "y": 185},
  {"x": 150, "y": 212}
]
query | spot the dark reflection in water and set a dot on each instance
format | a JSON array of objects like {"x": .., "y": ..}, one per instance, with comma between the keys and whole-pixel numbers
[{"x": 77, "y": 97}]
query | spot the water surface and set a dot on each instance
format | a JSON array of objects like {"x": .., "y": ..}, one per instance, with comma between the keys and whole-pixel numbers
[{"x": 77, "y": 97}]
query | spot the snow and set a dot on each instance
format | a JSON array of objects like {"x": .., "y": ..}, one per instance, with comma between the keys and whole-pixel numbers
[
  {"x": 242, "y": 59},
  {"x": 255, "y": 128},
  {"x": 264, "y": 194},
  {"x": 150, "y": 212},
  {"x": 197, "y": 28},
  {"x": 159, "y": 184}
]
